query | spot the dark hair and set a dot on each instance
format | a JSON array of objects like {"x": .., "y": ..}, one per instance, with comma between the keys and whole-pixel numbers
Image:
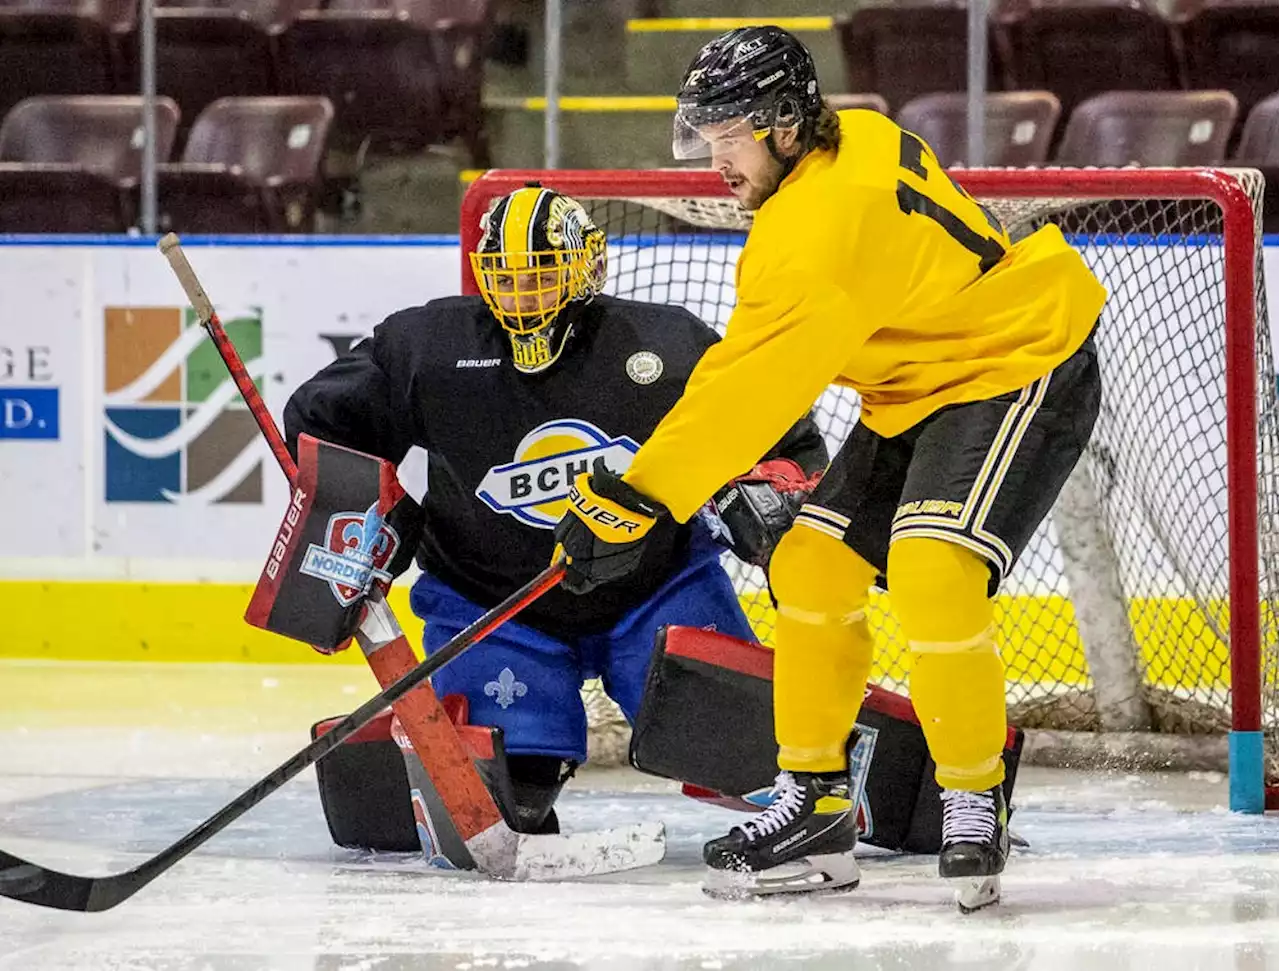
[{"x": 826, "y": 129}]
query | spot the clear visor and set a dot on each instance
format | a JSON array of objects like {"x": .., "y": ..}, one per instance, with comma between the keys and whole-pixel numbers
[{"x": 721, "y": 131}]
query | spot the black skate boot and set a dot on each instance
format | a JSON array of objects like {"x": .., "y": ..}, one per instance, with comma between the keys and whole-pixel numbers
[
  {"x": 803, "y": 843},
  {"x": 975, "y": 845}
]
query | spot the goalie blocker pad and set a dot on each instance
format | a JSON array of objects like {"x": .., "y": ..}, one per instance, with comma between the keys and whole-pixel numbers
[
  {"x": 706, "y": 719},
  {"x": 349, "y": 525}
]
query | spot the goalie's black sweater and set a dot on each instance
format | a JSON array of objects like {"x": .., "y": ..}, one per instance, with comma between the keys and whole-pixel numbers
[{"x": 503, "y": 446}]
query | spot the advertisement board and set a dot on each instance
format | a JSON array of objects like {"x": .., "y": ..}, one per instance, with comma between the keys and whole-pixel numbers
[{"x": 125, "y": 451}]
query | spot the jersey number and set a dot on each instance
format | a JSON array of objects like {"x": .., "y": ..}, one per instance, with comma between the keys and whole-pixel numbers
[{"x": 910, "y": 199}]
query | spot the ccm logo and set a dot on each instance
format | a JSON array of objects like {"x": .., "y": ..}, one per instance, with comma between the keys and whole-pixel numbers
[
  {"x": 599, "y": 514},
  {"x": 285, "y": 536}
]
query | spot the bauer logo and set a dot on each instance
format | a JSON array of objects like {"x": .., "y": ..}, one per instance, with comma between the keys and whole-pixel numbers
[
  {"x": 358, "y": 546},
  {"x": 176, "y": 428},
  {"x": 535, "y": 487}
]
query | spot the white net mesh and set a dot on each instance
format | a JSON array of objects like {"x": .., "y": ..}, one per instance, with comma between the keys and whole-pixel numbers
[{"x": 1144, "y": 523}]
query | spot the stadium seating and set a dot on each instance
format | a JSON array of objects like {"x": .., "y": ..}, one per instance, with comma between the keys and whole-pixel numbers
[
  {"x": 72, "y": 164},
  {"x": 1230, "y": 44},
  {"x": 1020, "y": 126},
  {"x": 1078, "y": 48},
  {"x": 1259, "y": 148},
  {"x": 62, "y": 47},
  {"x": 207, "y": 50},
  {"x": 902, "y": 49},
  {"x": 250, "y": 165},
  {"x": 402, "y": 74},
  {"x": 1149, "y": 128},
  {"x": 458, "y": 30},
  {"x": 406, "y": 75}
]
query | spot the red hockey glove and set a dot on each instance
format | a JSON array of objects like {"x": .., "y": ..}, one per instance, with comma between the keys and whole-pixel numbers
[
  {"x": 604, "y": 531},
  {"x": 755, "y": 509}
]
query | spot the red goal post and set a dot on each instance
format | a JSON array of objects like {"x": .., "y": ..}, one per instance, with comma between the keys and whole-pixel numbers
[{"x": 1183, "y": 246}]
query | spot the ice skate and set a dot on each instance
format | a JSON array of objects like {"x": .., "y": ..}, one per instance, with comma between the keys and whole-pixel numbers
[
  {"x": 975, "y": 845},
  {"x": 803, "y": 843}
]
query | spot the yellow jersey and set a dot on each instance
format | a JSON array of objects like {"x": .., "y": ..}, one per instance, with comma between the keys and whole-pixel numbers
[{"x": 871, "y": 269}]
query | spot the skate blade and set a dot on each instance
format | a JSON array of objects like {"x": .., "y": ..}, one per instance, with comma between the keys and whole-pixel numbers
[
  {"x": 823, "y": 874},
  {"x": 975, "y": 893}
]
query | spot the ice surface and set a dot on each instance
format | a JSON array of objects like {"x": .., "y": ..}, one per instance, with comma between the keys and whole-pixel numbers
[{"x": 1123, "y": 872}]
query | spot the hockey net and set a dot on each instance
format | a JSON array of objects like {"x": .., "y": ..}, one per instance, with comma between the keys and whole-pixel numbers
[{"x": 1150, "y": 592}]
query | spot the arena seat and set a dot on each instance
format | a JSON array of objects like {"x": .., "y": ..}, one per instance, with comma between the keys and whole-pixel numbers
[
  {"x": 1079, "y": 48},
  {"x": 62, "y": 47},
  {"x": 207, "y": 50},
  {"x": 379, "y": 65},
  {"x": 459, "y": 30},
  {"x": 1020, "y": 126},
  {"x": 1149, "y": 128},
  {"x": 1259, "y": 148},
  {"x": 1231, "y": 45},
  {"x": 251, "y": 165},
  {"x": 906, "y": 49},
  {"x": 72, "y": 164}
]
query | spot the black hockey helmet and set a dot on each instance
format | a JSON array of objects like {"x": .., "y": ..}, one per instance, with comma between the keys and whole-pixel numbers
[
  {"x": 540, "y": 253},
  {"x": 761, "y": 74}
]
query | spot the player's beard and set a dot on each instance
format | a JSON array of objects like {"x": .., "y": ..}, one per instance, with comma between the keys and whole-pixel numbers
[{"x": 759, "y": 189}]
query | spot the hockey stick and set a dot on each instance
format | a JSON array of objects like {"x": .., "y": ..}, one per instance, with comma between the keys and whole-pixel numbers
[
  {"x": 464, "y": 794},
  {"x": 30, "y": 882},
  {"x": 492, "y": 847}
]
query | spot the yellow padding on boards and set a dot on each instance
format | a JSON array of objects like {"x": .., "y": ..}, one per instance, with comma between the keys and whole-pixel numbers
[
  {"x": 645, "y": 25},
  {"x": 601, "y": 103},
  {"x": 120, "y": 621},
  {"x": 97, "y": 620},
  {"x": 1040, "y": 643}
]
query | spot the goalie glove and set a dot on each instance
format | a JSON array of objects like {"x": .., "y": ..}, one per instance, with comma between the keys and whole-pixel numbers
[
  {"x": 604, "y": 531},
  {"x": 751, "y": 513}
]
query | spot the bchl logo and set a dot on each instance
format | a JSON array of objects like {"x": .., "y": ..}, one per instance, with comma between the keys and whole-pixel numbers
[
  {"x": 535, "y": 487},
  {"x": 358, "y": 547}
]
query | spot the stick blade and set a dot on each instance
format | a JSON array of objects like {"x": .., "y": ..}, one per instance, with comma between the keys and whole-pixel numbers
[
  {"x": 33, "y": 884},
  {"x": 566, "y": 857}
]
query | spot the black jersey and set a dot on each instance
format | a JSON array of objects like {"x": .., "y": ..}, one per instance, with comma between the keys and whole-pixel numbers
[{"x": 503, "y": 447}]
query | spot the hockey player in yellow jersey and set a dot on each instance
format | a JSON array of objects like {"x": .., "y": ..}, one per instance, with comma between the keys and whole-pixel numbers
[{"x": 866, "y": 266}]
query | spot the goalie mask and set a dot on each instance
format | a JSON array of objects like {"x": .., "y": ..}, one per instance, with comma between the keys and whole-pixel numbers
[{"x": 539, "y": 254}]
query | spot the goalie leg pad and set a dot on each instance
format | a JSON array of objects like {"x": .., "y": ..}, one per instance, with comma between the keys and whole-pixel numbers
[
  {"x": 364, "y": 791},
  {"x": 707, "y": 720},
  {"x": 367, "y": 786},
  {"x": 516, "y": 679}
]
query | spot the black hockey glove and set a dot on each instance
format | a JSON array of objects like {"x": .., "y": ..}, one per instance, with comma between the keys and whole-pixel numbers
[
  {"x": 603, "y": 533},
  {"x": 752, "y": 512}
]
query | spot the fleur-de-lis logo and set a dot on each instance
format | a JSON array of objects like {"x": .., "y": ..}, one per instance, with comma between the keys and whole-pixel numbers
[{"x": 506, "y": 689}]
